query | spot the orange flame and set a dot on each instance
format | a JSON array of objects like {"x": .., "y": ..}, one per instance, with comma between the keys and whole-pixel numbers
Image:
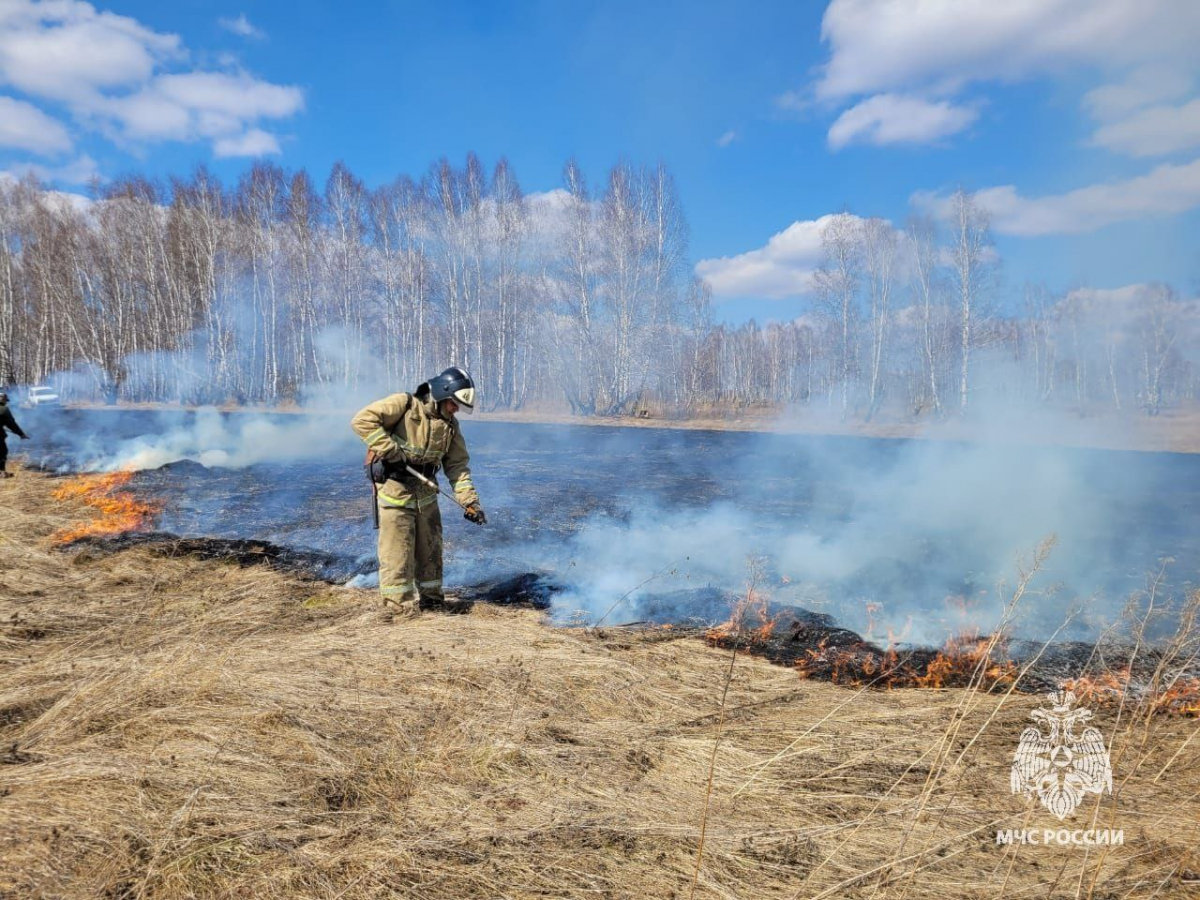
[
  {"x": 1182, "y": 698},
  {"x": 966, "y": 658},
  {"x": 749, "y": 609},
  {"x": 120, "y": 511}
]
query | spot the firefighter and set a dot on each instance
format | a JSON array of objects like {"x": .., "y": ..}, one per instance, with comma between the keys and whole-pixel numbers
[
  {"x": 418, "y": 430},
  {"x": 7, "y": 424}
]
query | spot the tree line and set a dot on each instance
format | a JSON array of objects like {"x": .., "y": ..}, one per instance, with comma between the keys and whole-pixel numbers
[{"x": 273, "y": 288}]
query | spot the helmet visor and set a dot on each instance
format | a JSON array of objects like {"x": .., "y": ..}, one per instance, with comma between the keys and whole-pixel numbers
[{"x": 465, "y": 398}]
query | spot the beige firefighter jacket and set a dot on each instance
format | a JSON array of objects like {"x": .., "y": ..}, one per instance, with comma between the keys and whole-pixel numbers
[{"x": 406, "y": 427}]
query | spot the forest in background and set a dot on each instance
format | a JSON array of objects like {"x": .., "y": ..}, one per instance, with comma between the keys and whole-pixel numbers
[{"x": 275, "y": 290}]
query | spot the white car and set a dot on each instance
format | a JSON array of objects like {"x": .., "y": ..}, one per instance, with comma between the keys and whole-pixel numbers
[{"x": 40, "y": 396}]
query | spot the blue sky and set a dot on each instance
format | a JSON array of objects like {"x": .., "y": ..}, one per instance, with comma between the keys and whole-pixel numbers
[{"x": 861, "y": 106}]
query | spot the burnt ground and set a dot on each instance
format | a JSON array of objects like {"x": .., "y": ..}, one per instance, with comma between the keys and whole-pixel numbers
[
  {"x": 303, "y": 563},
  {"x": 560, "y": 500}
]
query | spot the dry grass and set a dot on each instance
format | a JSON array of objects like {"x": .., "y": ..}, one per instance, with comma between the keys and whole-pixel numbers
[{"x": 176, "y": 728}]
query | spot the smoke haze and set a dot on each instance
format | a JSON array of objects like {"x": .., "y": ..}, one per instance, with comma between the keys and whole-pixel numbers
[{"x": 910, "y": 535}]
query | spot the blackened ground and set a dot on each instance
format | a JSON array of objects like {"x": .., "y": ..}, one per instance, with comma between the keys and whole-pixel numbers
[
  {"x": 548, "y": 487},
  {"x": 311, "y": 564}
]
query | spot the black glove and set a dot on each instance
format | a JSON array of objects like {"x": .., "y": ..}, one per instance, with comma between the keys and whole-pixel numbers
[
  {"x": 474, "y": 513},
  {"x": 380, "y": 469}
]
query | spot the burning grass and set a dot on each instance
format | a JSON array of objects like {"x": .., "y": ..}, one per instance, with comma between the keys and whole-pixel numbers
[
  {"x": 966, "y": 660},
  {"x": 116, "y": 511},
  {"x": 1119, "y": 688},
  {"x": 176, "y": 727}
]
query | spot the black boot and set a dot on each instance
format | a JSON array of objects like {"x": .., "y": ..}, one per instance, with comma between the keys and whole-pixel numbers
[{"x": 442, "y": 605}]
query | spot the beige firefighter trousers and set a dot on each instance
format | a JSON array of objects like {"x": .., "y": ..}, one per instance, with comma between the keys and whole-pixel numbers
[{"x": 410, "y": 553}]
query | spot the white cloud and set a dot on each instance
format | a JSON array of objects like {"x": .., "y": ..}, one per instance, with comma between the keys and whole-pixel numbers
[
  {"x": 253, "y": 143},
  {"x": 124, "y": 79},
  {"x": 24, "y": 126},
  {"x": 54, "y": 199},
  {"x": 548, "y": 216},
  {"x": 1143, "y": 53},
  {"x": 1167, "y": 190},
  {"x": 202, "y": 104},
  {"x": 898, "y": 119},
  {"x": 1154, "y": 131},
  {"x": 942, "y": 45},
  {"x": 68, "y": 51},
  {"x": 727, "y": 138},
  {"x": 783, "y": 268},
  {"x": 241, "y": 26},
  {"x": 1147, "y": 85}
]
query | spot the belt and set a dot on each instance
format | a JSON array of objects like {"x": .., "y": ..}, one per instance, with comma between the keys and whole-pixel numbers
[
  {"x": 381, "y": 471},
  {"x": 400, "y": 471}
]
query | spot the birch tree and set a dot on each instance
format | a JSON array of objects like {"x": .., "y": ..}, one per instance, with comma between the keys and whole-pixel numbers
[
  {"x": 837, "y": 284},
  {"x": 970, "y": 267}
]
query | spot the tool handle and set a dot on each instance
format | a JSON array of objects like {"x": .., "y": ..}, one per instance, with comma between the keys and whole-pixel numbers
[{"x": 433, "y": 484}]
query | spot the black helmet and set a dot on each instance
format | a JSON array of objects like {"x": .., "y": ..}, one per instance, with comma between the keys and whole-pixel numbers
[{"x": 454, "y": 384}]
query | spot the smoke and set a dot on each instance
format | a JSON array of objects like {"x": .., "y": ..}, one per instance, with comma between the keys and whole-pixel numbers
[
  {"x": 912, "y": 535},
  {"x": 922, "y": 531},
  {"x": 916, "y": 536},
  {"x": 233, "y": 440}
]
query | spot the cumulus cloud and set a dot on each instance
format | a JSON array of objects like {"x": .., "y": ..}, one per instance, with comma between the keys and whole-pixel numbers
[
  {"x": 1166, "y": 190},
  {"x": 898, "y": 119},
  {"x": 1144, "y": 53},
  {"x": 202, "y": 104},
  {"x": 782, "y": 268},
  {"x": 241, "y": 26},
  {"x": 127, "y": 80},
  {"x": 548, "y": 216},
  {"x": 25, "y": 127},
  {"x": 69, "y": 51},
  {"x": 727, "y": 138}
]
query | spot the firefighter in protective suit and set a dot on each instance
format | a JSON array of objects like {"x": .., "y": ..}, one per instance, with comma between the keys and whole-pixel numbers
[
  {"x": 418, "y": 430},
  {"x": 7, "y": 423}
]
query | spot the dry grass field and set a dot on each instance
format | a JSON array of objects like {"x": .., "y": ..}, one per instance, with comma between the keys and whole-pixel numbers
[{"x": 177, "y": 728}]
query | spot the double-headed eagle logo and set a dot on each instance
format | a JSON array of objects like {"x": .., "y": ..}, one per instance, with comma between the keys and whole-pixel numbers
[{"x": 1063, "y": 765}]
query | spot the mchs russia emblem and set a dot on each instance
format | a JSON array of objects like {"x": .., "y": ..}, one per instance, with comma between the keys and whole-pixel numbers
[{"x": 1060, "y": 759}]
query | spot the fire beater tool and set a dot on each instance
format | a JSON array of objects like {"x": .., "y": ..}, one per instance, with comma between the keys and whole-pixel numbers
[{"x": 429, "y": 482}]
